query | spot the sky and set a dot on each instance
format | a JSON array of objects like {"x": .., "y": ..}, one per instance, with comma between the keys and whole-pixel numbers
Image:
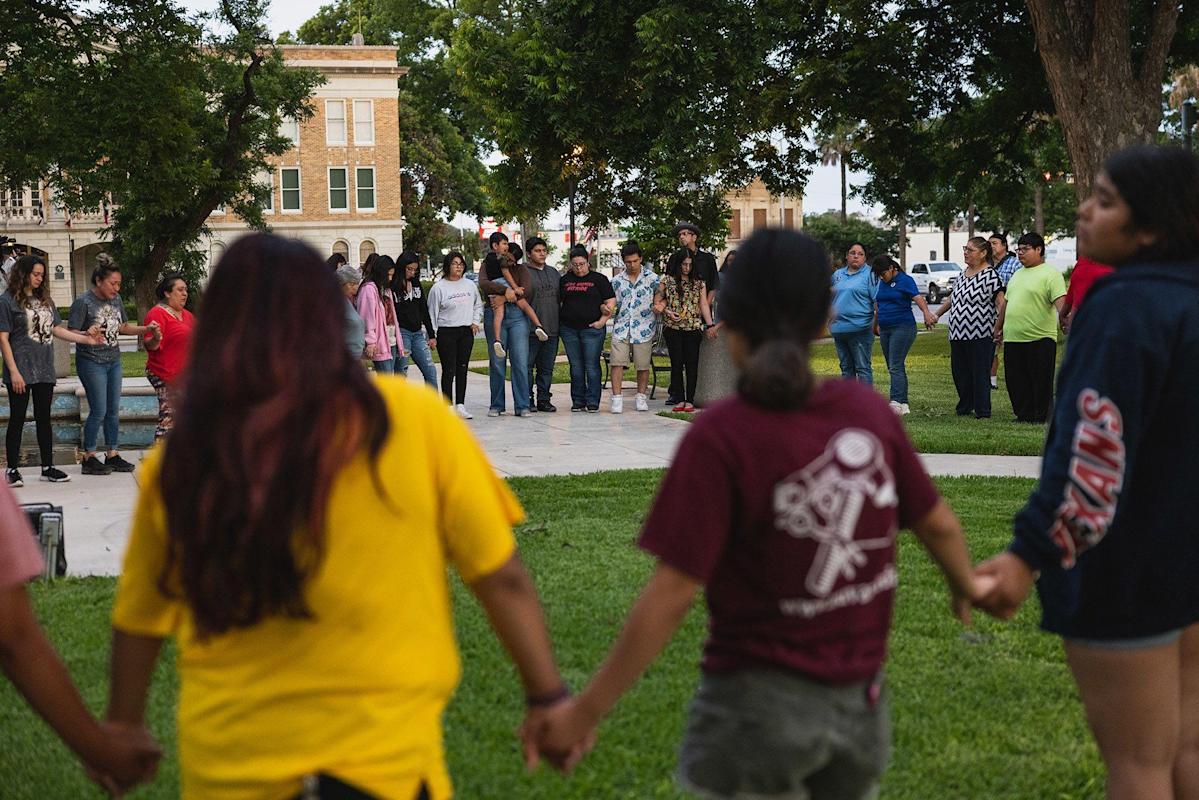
[{"x": 824, "y": 187}]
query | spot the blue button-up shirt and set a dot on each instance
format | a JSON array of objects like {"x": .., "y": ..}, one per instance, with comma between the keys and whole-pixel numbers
[
  {"x": 1007, "y": 267},
  {"x": 635, "y": 321}
]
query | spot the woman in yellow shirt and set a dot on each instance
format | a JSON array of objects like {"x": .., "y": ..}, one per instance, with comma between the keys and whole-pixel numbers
[{"x": 309, "y": 596}]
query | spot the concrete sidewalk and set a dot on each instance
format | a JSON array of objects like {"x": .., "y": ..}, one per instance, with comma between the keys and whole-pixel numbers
[{"x": 97, "y": 509}]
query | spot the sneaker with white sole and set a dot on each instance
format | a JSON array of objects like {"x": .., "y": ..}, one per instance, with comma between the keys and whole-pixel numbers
[
  {"x": 13, "y": 477},
  {"x": 895, "y": 407},
  {"x": 642, "y": 402},
  {"x": 617, "y": 405},
  {"x": 903, "y": 409},
  {"x": 498, "y": 349},
  {"x": 54, "y": 475},
  {"x": 541, "y": 335},
  {"x": 493, "y": 412},
  {"x": 462, "y": 412}
]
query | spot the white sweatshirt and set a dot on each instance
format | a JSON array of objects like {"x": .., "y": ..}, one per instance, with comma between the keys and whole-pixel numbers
[{"x": 455, "y": 304}]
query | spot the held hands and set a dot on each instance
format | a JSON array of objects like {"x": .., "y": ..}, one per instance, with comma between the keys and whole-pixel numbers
[
  {"x": 475, "y": 328},
  {"x": 1005, "y": 581},
  {"x": 930, "y": 320},
  {"x": 130, "y": 757},
  {"x": 712, "y": 332},
  {"x": 95, "y": 333},
  {"x": 998, "y": 337},
  {"x": 371, "y": 350},
  {"x": 600, "y": 323},
  {"x": 559, "y": 733}
]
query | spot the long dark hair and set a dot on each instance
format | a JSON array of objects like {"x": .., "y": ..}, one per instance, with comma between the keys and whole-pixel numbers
[
  {"x": 449, "y": 259},
  {"x": 1161, "y": 187},
  {"x": 251, "y": 462},
  {"x": 19, "y": 280},
  {"x": 674, "y": 268},
  {"x": 778, "y": 299}
]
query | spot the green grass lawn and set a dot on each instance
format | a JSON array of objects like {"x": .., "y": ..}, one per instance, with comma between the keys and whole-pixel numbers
[
  {"x": 986, "y": 713},
  {"x": 933, "y": 425}
]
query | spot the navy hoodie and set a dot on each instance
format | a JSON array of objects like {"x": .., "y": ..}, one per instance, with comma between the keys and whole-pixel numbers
[{"x": 1111, "y": 526}]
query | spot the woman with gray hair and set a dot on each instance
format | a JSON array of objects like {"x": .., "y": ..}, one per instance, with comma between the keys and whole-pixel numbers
[{"x": 348, "y": 279}]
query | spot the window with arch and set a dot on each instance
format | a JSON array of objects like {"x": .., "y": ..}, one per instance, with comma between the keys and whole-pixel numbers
[
  {"x": 214, "y": 254},
  {"x": 343, "y": 247},
  {"x": 364, "y": 250}
]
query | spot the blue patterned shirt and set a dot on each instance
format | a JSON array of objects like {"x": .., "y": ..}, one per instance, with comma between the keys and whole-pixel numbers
[
  {"x": 1007, "y": 268},
  {"x": 635, "y": 321}
]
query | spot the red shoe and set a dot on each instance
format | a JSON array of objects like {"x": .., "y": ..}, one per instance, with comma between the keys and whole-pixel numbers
[
  {"x": 688, "y": 408},
  {"x": 681, "y": 407}
]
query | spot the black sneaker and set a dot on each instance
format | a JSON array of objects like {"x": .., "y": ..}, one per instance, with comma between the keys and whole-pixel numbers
[
  {"x": 94, "y": 466},
  {"x": 593, "y": 409},
  {"x": 577, "y": 408},
  {"x": 547, "y": 407},
  {"x": 14, "y": 478},
  {"x": 54, "y": 475},
  {"x": 118, "y": 464},
  {"x": 673, "y": 401}
]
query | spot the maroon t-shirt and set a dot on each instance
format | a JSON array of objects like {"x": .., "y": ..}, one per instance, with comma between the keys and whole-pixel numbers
[{"x": 789, "y": 519}]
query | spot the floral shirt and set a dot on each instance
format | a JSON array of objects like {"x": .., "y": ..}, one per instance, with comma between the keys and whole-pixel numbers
[
  {"x": 690, "y": 318},
  {"x": 635, "y": 321}
]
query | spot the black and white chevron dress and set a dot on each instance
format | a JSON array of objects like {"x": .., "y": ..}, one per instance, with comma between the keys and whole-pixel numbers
[{"x": 972, "y": 312}]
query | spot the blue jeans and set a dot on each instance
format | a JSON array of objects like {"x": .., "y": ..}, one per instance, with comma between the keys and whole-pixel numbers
[
  {"x": 853, "y": 349},
  {"x": 102, "y": 383},
  {"x": 514, "y": 336},
  {"x": 583, "y": 346},
  {"x": 896, "y": 342},
  {"x": 541, "y": 367},
  {"x": 416, "y": 344},
  {"x": 387, "y": 365}
]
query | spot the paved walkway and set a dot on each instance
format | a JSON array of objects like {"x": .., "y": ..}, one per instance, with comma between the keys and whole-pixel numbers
[{"x": 98, "y": 508}]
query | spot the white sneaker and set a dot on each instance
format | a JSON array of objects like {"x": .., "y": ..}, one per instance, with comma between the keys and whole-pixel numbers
[
  {"x": 498, "y": 349},
  {"x": 617, "y": 405},
  {"x": 541, "y": 335},
  {"x": 903, "y": 409},
  {"x": 642, "y": 402},
  {"x": 462, "y": 412},
  {"x": 994, "y": 381},
  {"x": 896, "y": 407}
]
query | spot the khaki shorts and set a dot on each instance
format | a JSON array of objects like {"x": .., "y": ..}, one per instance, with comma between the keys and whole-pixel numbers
[{"x": 642, "y": 352}]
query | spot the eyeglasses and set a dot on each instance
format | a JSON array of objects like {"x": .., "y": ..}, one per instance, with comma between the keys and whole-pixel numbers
[
  {"x": 1024, "y": 248},
  {"x": 971, "y": 250}
]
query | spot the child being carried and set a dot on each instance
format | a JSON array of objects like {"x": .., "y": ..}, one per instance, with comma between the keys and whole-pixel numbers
[{"x": 498, "y": 268}]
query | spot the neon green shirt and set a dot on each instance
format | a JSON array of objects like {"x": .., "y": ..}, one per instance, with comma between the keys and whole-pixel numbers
[{"x": 1030, "y": 313}]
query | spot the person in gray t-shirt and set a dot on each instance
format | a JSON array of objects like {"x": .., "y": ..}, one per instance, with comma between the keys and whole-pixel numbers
[
  {"x": 99, "y": 365},
  {"x": 28, "y": 324}
]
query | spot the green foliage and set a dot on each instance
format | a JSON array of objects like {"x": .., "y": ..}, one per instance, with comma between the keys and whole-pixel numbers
[
  {"x": 162, "y": 115},
  {"x": 827, "y": 229}
]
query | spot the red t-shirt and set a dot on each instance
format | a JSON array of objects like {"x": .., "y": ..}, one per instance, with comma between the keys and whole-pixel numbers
[
  {"x": 1085, "y": 273},
  {"x": 789, "y": 519},
  {"x": 168, "y": 359}
]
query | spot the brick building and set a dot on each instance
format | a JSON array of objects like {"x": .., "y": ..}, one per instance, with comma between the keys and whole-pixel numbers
[
  {"x": 754, "y": 207},
  {"x": 337, "y": 188}
]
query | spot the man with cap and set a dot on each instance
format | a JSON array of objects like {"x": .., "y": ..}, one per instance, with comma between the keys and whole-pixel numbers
[{"x": 703, "y": 265}]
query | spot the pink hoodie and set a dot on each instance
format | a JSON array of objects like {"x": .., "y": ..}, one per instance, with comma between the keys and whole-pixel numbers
[{"x": 377, "y": 313}]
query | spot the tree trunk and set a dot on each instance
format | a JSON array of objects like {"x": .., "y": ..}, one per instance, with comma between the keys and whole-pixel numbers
[
  {"x": 1038, "y": 209},
  {"x": 945, "y": 239},
  {"x": 903, "y": 241},
  {"x": 970, "y": 220},
  {"x": 844, "y": 187},
  {"x": 1087, "y": 53}
]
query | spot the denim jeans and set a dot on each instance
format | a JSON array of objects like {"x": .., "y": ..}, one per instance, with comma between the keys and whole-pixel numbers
[
  {"x": 514, "y": 336},
  {"x": 583, "y": 346},
  {"x": 896, "y": 342},
  {"x": 102, "y": 383},
  {"x": 416, "y": 345},
  {"x": 387, "y": 365},
  {"x": 541, "y": 366},
  {"x": 853, "y": 349}
]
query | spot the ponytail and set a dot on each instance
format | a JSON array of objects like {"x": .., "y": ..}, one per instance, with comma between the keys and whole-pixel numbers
[{"x": 776, "y": 374}]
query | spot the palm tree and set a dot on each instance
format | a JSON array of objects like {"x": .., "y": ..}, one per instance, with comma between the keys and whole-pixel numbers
[{"x": 835, "y": 148}]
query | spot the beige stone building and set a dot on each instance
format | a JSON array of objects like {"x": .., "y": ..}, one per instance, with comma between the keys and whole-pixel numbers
[
  {"x": 754, "y": 207},
  {"x": 337, "y": 188}
]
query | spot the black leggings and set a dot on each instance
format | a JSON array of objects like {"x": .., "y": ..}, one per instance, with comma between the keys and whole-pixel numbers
[
  {"x": 454, "y": 346},
  {"x": 683, "y": 347},
  {"x": 18, "y": 404}
]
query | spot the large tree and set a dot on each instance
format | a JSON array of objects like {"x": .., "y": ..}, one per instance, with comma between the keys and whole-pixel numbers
[{"x": 158, "y": 113}]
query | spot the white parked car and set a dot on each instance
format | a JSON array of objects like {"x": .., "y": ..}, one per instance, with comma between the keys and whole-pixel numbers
[{"x": 935, "y": 279}]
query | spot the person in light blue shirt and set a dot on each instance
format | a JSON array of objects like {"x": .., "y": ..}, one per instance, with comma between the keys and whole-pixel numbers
[
  {"x": 852, "y": 326},
  {"x": 896, "y": 326}
]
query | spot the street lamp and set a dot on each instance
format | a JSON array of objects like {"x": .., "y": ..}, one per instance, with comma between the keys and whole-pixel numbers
[
  {"x": 573, "y": 163},
  {"x": 1188, "y": 122}
]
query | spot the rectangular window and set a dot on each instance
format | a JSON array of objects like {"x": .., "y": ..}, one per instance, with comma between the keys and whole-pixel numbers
[
  {"x": 289, "y": 128},
  {"x": 759, "y": 218},
  {"x": 364, "y": 122},
  {"x": 289, "y": 189},
  {"x": 268, "y": 205},
  {"x": 365, "y": 177},
  {"x": 335, "y": 122},
  {"x": 789, "y": 217},
  {"x": 735, "y": 224},
  {"x": 339, "y": 192}
]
